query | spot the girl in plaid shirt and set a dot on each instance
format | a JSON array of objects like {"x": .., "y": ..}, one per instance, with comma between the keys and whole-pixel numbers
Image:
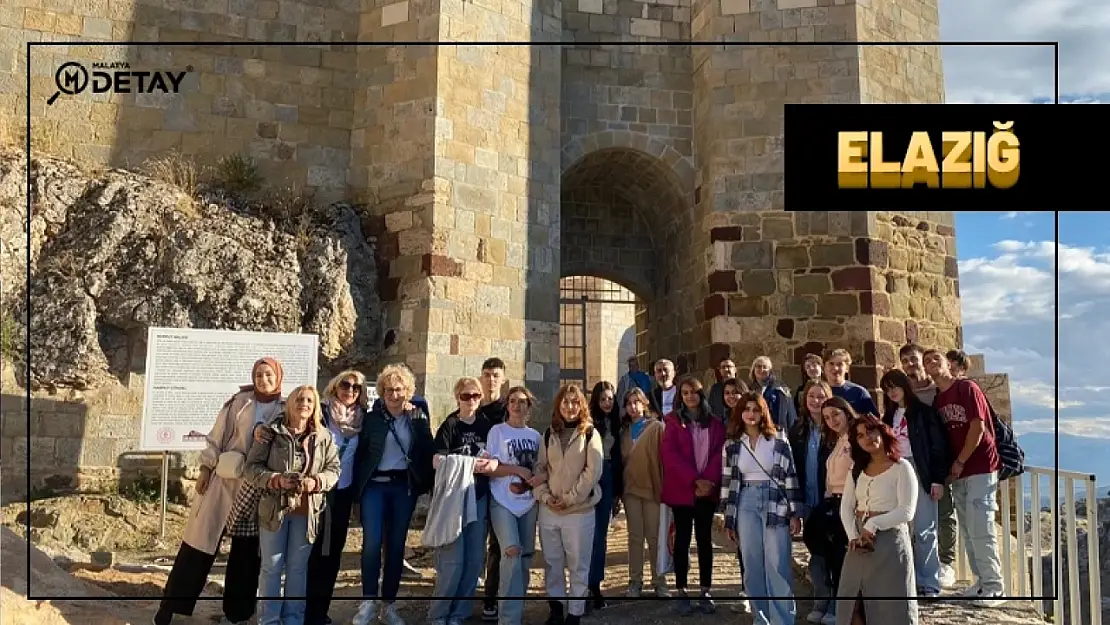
[{"x": 762, "y": 502}]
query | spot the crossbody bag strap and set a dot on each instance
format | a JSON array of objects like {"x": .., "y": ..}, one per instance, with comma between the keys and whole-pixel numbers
[
  {"x": 764, "y": 469},
  {"x": 393, "y": 431}
]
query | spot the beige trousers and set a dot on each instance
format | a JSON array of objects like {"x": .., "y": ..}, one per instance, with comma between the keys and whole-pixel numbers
[{"x": 643, "y": 524}]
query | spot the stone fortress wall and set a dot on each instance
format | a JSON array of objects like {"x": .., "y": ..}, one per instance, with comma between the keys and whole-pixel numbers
[{"x": 485, "y": 173}]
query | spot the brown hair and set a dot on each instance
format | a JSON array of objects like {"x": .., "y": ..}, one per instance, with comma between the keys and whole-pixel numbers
[
  {"x": 736, "y": 425},
  {"x": 584, "y": 420},
  {"x": 842, "y": 405},
  {"x": 872, "y": 424},
  {"x": 637, "y": 394}
]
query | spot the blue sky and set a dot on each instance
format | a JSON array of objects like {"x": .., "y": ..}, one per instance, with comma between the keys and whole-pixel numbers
[{"x": 1006, "y": 287}]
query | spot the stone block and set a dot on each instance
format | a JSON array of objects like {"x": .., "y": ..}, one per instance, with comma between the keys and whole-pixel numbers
[
  {"x": 837, "y": 305},
  {"x": 832, "y": 255},
  {"x": 743, "y": 306},
  {"x": 756, "y": 255},
  {"x": 791, "y": 256},
  {"x": 812, "y": 284},
  {"x": 758, "y": 282}
]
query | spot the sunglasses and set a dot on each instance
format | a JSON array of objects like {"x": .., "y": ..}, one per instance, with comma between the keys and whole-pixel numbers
[
  {"x": 347, "y": 386},
  {"x": 469, "y": 396}
]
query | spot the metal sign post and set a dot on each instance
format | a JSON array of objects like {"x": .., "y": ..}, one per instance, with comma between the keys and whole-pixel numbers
[{"x": 165, "y": 488}]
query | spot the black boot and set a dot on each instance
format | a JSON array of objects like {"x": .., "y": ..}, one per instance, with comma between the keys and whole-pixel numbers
[
  {"x": 556, "y": 615},
  {"x": 572, "y": 620},
  {"x": 597, "y": 600}
]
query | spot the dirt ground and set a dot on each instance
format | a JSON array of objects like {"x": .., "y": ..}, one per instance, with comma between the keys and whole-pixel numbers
[{"x": 69, "y": 530}]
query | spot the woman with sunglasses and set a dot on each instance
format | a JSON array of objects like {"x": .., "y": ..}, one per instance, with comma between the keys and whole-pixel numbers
[
  {"x": 342, "y": 410},
  {"x": 459, "y": 563}
]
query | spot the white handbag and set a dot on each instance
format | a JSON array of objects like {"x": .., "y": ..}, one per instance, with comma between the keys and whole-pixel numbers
[{"x": 230, "y": 465}]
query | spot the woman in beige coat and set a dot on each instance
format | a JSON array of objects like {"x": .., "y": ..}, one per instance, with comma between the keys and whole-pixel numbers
[
  {"x": 298, "y": 465},
  {"x": 222, "y": 462}
]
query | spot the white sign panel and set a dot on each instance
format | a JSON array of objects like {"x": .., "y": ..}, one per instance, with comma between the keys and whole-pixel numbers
[{"x": 191, "y": 373}]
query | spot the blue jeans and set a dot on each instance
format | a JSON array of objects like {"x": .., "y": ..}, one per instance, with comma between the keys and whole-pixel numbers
[
  {"x": 284, "y": 551},
  {"x": 385, "y": 511},
  {"x": 768, "y": 562},
  {"x": 603, "y": 512},
  {"x": 513, "y": 531},
  {"x": 822, "y": 593},
  {"x": 974, "y": 498},
  {"x": 926, "y": 553},
  {"x": 458, "y": 567}
]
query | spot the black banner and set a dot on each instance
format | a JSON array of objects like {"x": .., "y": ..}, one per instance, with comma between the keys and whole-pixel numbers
[{"x": 979, "y": 157}]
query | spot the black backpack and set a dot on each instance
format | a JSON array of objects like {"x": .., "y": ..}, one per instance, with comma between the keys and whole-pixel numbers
[{"x": 1010, "y": 455}]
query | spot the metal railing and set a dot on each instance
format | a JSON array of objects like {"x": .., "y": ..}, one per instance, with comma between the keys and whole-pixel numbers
[{"x": 1030, "y": 553}]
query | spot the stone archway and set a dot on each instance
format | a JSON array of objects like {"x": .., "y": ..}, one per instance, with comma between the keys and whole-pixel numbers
[{"x": 625, "y": 214}]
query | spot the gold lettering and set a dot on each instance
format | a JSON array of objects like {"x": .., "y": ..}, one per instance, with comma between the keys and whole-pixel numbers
[
  {"x": 1003, "y": 156},
  {"x": 852, "y": 159},
  {"x": 884, "y": 174},
  {"x": 978, "y": 159},
  {"x": 956, "y": 169},
  {"x": 920, "y": 166}
]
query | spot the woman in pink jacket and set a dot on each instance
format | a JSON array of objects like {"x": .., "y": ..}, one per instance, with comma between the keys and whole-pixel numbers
[{"x": 691, "y": 453}]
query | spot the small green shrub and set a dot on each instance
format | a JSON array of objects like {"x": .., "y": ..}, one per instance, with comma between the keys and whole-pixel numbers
[
  {"x": 238, "y": 174},
  {"x": 10, "y": 335},
  {"x": 143, "y": 489}
]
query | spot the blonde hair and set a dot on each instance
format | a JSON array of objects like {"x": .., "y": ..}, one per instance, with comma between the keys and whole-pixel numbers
[
  {"x": 317, "y": 416},
  {"x": 331, "y": 391},
  {"x": 397, "y": 372},
  {"x": 842, "y": 354},
  {"x": 465, "y": 382}
]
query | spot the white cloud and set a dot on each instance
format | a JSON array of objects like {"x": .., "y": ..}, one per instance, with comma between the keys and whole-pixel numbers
[
  {"x": 1088, "y": 427},
  {"x": 1013, "y": 74},
  {"x": 1008, "y": 311}
]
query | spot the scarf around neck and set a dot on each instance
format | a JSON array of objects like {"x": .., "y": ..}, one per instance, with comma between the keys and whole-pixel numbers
[{"x": 348, "y": 419}]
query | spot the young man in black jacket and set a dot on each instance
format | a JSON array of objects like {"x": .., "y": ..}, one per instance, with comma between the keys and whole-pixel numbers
[{"x": 923, "y": 441}]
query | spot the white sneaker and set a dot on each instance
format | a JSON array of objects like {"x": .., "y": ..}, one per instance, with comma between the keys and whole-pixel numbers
[
  {"x": 815, "y": 616},
  {"x": 741, "y": 605},
  {"x": 989, "y": 600},
  {"x": 974, "y": 591},
  {"x": 367, "y": 613},
  {"x": 947, "y": 576},
  {"x": 828, "y": 619},
  {"x": 635, "y": 591},
  {"x": 391, "y": 617}
]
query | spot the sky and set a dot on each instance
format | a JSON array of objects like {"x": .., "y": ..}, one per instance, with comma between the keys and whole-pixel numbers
[
  {"x": 1016, "y": 74},
  {"x": 1007, "y": 261}
]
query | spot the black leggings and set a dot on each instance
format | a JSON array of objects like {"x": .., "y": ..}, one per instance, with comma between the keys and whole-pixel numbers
[{"x": 698, "y": 520}]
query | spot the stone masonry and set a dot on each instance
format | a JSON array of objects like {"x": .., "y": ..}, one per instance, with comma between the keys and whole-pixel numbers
[{"x": 486, "y": 173}]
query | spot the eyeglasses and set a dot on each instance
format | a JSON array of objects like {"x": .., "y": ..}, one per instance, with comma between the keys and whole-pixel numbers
[
  {"x": 469, "y": 396},
  {"x": 348, "y": 386}
]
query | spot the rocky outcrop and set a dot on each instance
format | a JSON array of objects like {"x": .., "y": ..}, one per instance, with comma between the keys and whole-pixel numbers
[{"x": 113, "y": 253}]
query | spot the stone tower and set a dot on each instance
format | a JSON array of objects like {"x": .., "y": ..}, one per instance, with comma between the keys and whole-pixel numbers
[{"x": 641, "y": 150}]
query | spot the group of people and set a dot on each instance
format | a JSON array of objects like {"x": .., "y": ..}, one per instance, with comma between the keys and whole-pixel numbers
[{"x": 284, "y": 479}]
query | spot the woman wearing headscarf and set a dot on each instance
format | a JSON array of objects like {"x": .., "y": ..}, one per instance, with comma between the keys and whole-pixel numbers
[
  {"x": 222, "y": 506},
  {"x": 344, "y": 407}
]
